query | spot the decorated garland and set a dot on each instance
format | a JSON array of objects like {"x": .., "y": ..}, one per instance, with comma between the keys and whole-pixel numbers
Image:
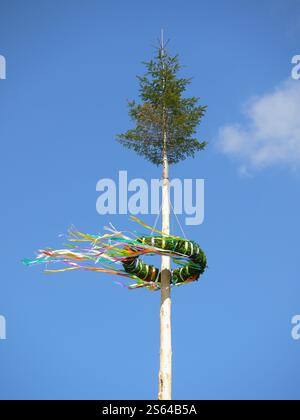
[
  {"x": 120, "y": 253},
  {"x": 189, "y": 249}
]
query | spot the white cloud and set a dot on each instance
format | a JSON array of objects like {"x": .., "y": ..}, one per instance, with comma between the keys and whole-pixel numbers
[{"x": 271, "y": 134}]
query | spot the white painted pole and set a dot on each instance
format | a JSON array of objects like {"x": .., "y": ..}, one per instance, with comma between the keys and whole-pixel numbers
[{"x": 165, "y": 372}]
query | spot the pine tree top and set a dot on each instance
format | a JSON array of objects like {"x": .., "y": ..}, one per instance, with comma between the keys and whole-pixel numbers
[{"x": 164, "y": 120}]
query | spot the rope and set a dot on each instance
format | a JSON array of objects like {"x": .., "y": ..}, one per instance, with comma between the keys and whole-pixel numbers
[
  {"x": 156, "y": 220},
  {"x": 178, "y": 221}
]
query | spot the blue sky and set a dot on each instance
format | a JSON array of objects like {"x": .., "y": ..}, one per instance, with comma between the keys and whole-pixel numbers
[{"x": 71, "y": 67}]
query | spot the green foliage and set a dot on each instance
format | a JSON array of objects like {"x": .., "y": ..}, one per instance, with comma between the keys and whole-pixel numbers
[{"x": 165, "y": 120}]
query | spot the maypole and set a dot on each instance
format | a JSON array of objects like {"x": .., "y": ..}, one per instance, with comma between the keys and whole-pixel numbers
[
  {"x": 164, "y": 134},
  {"x": 165, "y": 371}
]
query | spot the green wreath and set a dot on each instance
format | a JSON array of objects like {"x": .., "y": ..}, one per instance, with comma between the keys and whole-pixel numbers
[{"x": 189, "y": 250}]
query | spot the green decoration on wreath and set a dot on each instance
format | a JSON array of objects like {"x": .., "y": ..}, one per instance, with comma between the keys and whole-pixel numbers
[{"x": 189, "y": 249}]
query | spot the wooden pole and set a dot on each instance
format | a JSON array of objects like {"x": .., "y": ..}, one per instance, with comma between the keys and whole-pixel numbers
[{"x": 165, "y": 371}]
